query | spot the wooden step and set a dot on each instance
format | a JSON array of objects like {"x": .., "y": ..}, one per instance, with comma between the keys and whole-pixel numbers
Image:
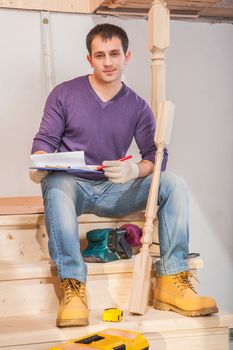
[
  {"x": 30, "y": 288},
  {"x": 164, "y": 330},
  {"x": 21, "y": 205},
  {"x": 29, "y": 292},
  {"x": 24, "y": 237}
]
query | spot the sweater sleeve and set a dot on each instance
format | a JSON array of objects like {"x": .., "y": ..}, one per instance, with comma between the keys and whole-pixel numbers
[
  {"x": 144, "y": 134},
  {"x": 52, "y": 124}
]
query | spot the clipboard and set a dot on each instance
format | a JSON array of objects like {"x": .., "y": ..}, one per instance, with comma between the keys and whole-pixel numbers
[
  {"x": 71, "y": 162},
  {"x": 70, "y": 170}
]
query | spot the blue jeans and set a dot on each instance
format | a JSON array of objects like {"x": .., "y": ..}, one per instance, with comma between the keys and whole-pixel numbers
[{"x": 67, "y": 196}]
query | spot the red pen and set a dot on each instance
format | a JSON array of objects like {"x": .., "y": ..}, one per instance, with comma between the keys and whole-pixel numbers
[{"x": 100, "y": 167}]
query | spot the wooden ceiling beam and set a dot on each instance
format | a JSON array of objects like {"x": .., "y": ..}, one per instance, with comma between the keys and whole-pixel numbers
[{"x": 203, "y": 10}]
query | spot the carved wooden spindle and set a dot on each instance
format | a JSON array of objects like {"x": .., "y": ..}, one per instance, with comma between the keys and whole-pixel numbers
[
  {"x": 158, "y": 41},
  {"x": 143, "y": 261}
]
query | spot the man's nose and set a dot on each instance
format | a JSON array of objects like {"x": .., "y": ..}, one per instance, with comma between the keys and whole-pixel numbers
[{"x": 107, "y": 60}]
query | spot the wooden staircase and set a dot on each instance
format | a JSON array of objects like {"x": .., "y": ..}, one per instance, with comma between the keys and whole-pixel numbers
[{"x": 29, "y": 291}]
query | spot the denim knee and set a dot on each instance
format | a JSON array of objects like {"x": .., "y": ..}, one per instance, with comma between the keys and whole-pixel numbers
[
  {"x": 171, "y": 182},
  {"x": 58, "y": 182}
]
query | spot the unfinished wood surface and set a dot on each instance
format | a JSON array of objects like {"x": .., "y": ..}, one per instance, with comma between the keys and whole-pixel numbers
[
  {"x": 73, "y": 6},
  {"x": 37, "y": 219},
  {"x": 44, "y": 269},
  {"x": 166, "y": 330},
  {"x": 158, "y": 42},
  {"x": 48, "y": 51},
  {"x": 215, "y": 338},
  {"x": 143, "y": 260},
  {"x": 24, "y": 237},
  {"x": 195, "y": 10},
  {"x": 33, "y": 288},
  {"x": 21, "y": 205}
]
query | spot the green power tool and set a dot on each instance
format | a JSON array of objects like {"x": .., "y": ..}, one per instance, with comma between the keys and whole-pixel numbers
[{"x": 107, "y": 244}]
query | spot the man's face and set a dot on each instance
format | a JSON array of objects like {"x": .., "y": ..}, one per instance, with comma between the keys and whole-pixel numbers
[{"x": 107, "y": 59}]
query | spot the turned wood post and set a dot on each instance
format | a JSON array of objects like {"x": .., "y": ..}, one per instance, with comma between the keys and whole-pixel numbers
[{"x": 159, "y": 40}]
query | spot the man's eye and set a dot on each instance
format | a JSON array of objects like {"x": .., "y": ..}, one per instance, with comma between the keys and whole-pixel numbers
[
  {"x": 115, "y": 53},
  {"x": 99, "y": 56}
]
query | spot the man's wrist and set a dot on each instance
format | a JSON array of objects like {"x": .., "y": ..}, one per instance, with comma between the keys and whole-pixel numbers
[{"x": 146, "y": 168}]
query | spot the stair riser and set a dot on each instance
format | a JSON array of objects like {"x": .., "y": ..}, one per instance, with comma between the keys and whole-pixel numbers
[
  {"x": 26, "y": 297},
  {"x": 25, "y": 238},
  {"x": 193, "y": 339},
  {"x": 202, "y": 339},
  {"x": 41, "y": 295}
]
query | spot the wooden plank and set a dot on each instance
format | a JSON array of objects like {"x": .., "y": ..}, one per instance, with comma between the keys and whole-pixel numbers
[
  {"x": 48, "y": 51},
  {"x": 218, "y": 12},
  {"x": 20, "y": 220},
  {"x": 31, "y": 289},
  {"x": 37, "y": 219},
  {"x": 94, "y": 4},
  {"x": 24, "y": 237},
  {"x": 214, "y": 339},
  {"x": 21, "y": 205},
  {"x": 72, "y": 6},
  {"x": 147, "y": 4},
  {"x": 17, "y": 270},
  {"x": 191, "y": 3},
  {"x": 224, "y": 4},
  {"x": 180, "y": 9},
  {"x": 34, "y": 205},
  {"x": 168, "y": 329},
  {"x": 170, "y": 4},
  {"x": 36, "y": 296}
]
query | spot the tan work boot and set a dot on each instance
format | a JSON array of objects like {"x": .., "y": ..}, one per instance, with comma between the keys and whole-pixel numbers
[
  {"x": 176, "y": 293},
  {"x": 73, "y": 309}
]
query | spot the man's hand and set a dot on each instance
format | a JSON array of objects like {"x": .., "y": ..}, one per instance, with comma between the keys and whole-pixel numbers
[
  {"x": 37, "y": 175},
  {"x": 120, "y": 171}
]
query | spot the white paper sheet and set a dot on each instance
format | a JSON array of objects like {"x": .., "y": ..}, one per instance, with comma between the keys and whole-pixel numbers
[
  {"x": 62, "y": 159},
  {"x": 72, "y": 162}
]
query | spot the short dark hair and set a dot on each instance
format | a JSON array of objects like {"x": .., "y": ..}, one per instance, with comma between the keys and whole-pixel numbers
[{"x": 107, "y": 31}]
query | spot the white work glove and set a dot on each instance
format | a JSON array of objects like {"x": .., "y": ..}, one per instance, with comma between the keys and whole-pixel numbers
[
  {"x": 37, "y": 175},
  {"x": 120, "y": 172}
]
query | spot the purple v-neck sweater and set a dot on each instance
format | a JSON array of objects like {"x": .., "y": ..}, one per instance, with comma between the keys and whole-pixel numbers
[{"x": 76, "y": 119}]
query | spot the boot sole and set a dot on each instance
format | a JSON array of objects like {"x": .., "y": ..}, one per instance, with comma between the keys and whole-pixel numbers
[
  {"x": 72, "y": 323},
  {"x": 190, "y": 313}
]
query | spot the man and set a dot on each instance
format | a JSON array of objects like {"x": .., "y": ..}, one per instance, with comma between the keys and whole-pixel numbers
[{"x": 99, "y": 114}]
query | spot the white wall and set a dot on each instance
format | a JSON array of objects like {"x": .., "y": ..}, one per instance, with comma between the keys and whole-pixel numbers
[{"x": 199, "y": 82}]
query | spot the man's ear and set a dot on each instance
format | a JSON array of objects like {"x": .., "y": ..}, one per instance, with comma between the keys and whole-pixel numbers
[
  {"x": 90, "y": 60},
  {"x": 127, "y": 57}
]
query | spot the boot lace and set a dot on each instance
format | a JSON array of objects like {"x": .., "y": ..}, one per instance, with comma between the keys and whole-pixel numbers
[
  {"x": 73, "y": 288},
  {"x": 182, "y": 279}
]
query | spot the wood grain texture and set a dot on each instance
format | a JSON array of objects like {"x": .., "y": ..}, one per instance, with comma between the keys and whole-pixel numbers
[
  {"x": 165, "y": 330},
  {"x": 194, "y": 10},
  {"x": 72, "y": 6},
  {"x": 143, "y": 261}
]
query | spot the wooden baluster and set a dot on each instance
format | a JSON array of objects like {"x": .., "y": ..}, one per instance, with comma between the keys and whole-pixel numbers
[
  {"x": 158, "y": 42},
  {"x": 143, "y": 261}
]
